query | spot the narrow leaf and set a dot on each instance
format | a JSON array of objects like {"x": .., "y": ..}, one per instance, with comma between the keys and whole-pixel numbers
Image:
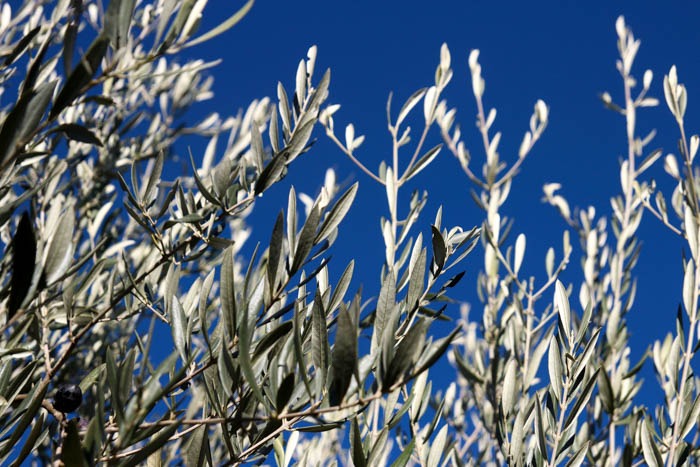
[
  {"x": 23, "y": 264},
  {"x": 344, "y": 356},
  {"x": 60, "y": 248}
]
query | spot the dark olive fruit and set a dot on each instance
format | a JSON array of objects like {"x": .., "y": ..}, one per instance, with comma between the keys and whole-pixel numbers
[{"x": 68, "y": 398}]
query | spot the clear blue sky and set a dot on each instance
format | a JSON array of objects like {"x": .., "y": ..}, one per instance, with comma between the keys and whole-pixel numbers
[{"x": 563, "y": 52}]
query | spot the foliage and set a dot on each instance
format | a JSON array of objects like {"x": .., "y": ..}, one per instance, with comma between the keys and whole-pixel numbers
[{"x": 124, "y": 277}]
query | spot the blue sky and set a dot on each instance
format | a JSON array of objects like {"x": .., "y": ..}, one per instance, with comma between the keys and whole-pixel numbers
[{"x": 562, "y": 52}]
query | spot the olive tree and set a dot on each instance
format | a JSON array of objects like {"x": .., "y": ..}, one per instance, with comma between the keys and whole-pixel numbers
[{"x": 135, "y": 330}]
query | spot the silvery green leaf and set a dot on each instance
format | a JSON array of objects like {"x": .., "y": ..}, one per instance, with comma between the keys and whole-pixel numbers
[
  {"x": 429, "y": 104},
  {"x": 649, "y": 160},
  {"x": 555, "y": 366},
  {"x": 245, "y": 339},
  {"x": 378, "y": 449},
  {"x": 580, "y": 455},
  {"x": 197, "y": 447},
  {"x": 561, "y": 301},
  {"x": 437, "y": 447},
  {"x": 228, "y": 293},
  {"x": 583, "y": 359},
  {"x": 274, "y": 130},
  {"x": 409, "y": 104},
  {"x": 319, "y": 340},
  {"x": 284, "y": 112},
  {"x": 385, "y": 303},
  {"x": 341, "y": 287},
  {"x": 300, "y": 138},
  {"x": 652, "y": 456},
  {"x": 549, "y": 262},
  {"x": 583, "y": 325},
  {"x": 519, "y": 253},
  {"x": 690, "y": 418},
  {"x": 149, "y": 195},
  {"x": 510, "y": 387},
  {"x": 689, "y": 292},
  {"x": 226, "y": 370},
  {"x": 405, "y": 455},
  {"x": 516, "y": 439},
  {"x": 60, "y": 247},
  {"x": 223, "y": 26},
  {"x": 178, "y": 325},
  {"x": 117, "y": 19},
  {"x": 581, "y": 400},
  {"x": 422, "y": 163},
  {"x": 176, "y": 27},
  {"x": 337, "y": 213},
  {"x": 535, "y": 359},
  {"x": 539, "y": 427},
  {"x": 416, "y": 283},
  {"x": 256, "y": 145},
  {"x": 349, "y": 136},
  {"x": 605, "y": 391},
  {"x": 292, "y": 221}
]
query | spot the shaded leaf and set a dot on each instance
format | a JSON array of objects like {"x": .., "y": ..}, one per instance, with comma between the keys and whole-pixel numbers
[
  {"x": 358, "y": 453},
  {"x": 23, "y": 119},
  {"x": 35, "y": 437},
  {"x": 21, "y": 46},
  {"x": 406, "y": 353},
  {"x": 81, "y": 75},
  {"x": 344, "y": 356},
  {"x": 275, "y": 251},
  {"x": 23, "y": 264},
  {"x": 228, "y": 293},
  {"x": 93, "y": 377},
  {"x": 319, "y": 339},
  {"x": 284, "y": 392},
  {"x": 439, "y": 249},
  {"x": 72, "y": 450},
  {"x": 155, "y": 443},
  {"x": 271, "y": 173},
  {"x": 305, "y": 241}
]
